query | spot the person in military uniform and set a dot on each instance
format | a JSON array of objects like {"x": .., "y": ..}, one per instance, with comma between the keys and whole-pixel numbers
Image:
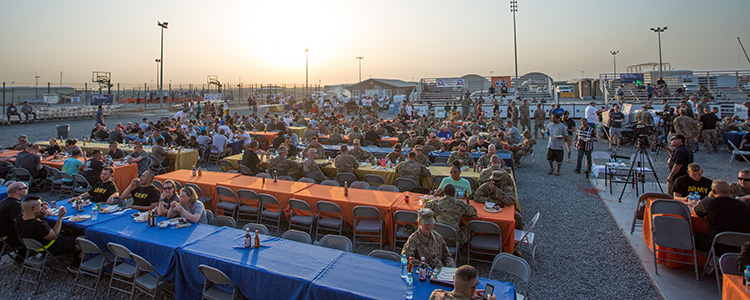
[
  {"x": 485, "y": 159},
  {"x": 421, "y": 158},
  {"x": 465, "y": 106},
  {"x": 396, "y": 156},
  {"x": 433, "y": 144},
  {"x": 465, "y": 283},
  {"x": 309, "y": 132},
  {"x": 356, "y": 134},
  {"x": 411, "y": 141},
  {"x": 344, "y": 162},
  {"x": 427, "y": 243},
  {"x": 462, "y": 156},
  {"x": 523, "y": 148},
  {"x": 312, "y": 169},
  {"x": 336, "y": 136},
  {"x": 688, "y": 127},
  {"x": 359, "y": 153},
  {"x": 644, "y": 116},
  {"x": 412, "y": 169},
  {"x": 702, "y": 105},
  {"x": 496, "y": 163},
  {"x": 741, "y": 189},
  {"x": 539, "y": 117},
  {"x": 314, "y": 144},
  {"x": 525, "y": 117},
  {"x": 501, "y": 191},
  {"x": 283, "y": 165},
  {"x": 449, "y": 211},
  {"x": 514, "y": 113}
]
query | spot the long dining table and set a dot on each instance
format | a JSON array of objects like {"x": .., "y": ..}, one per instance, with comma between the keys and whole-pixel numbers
[{"x": 183, "y": 158}]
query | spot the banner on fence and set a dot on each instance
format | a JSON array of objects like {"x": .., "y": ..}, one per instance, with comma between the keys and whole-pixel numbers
[
  {"x": 629, "y": 78},
  {"x": 450, "y": 82},
  {"x": 212, "y": 97},
  {"x": 100, "y": 99},
  {"x": 439, "y": 112},
  {"x": 501, "y": 81},
  {"x": 51, "y": 98}
]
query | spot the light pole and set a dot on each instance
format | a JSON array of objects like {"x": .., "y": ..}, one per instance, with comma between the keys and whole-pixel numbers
[
  {"x": 514, "y": 9},
  {"x": 163, "y": 26},
  {"x": 306, "y": 50},
  {"x": 360, "y": 67},
  {"x": 658, "y": 31},
  {"x": 614, "y": 61},
  {"x": 36, "y": 85},
  {"x": 157, "y": 68}
]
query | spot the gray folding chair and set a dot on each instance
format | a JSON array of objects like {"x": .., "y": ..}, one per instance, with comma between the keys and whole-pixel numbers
[
  {"x": 449, "y": 234},
  {"x": 336, "y": 242},
  {"x": 405, "y": 184},
  {"x": 436, "y": 180},
  {"x": 122, "y": 271},
  {"x": 374, "y": 180},
  {"x": 485, "y": 239},
  {"x": 388, "y": 188},
  {"x": 329, "y": 217},
  {"x": 296, "y": 235},
  {"x": 671, "y": 227},
  {"x": 225, "y": 165},
  {"x": 244, "y": 170},
  {"x": 402, "y": 218},
  {"x": 156, "y": 167},
  {"x": 214, "y": 155},
  {"x": 726, "y": 238},
  {"x": 224, "y": 221},
  {"x": 360, "y": 185},
  {"x": 209, "y": 216},
  {"x": 642, "y": 200},
  {"x": 7, "y": 248},
  {"x": 82, "y": 185},
  {"x": 227, "y": 202},
  {"x": 728, "y": 264},
  {"x": 66, "y": 185},
  {"x": 306, "y": 179},
  {"x": 94, "y": 266},
  {"x": 214, "y": 277},
  {"x": 298, "y": 220},
  {"x": 385, "y": 254},
  {"x": 517, "y": 266},
  {"x": 157, "y": 184},
  {"x": 369, "y": 223},
  {"x": 441, "y": 159},
  {"x": 35, "y": 261},
  {"x": 329, "y": 182},
  {"x": 145, "y": 281},
  {"x": 249, "y": 208},
  {"x": 262, "y": 229},
  {"x": 285, "y": 178},
  {"x": 345, "y": 177},
  {"x": 200, "y": 195},
  {"x": 271, "y": 210},
  {"x": 263, "y": 174},
  {"x": 526, "y": 237}
]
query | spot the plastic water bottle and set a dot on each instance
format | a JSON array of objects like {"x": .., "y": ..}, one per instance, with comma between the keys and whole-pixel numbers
[
  {"x": 410, "y": 287},
  {"x": 94, "y": 213},
  {"x": 404, "y": 262},
  {"x": 747, "y": 279}
]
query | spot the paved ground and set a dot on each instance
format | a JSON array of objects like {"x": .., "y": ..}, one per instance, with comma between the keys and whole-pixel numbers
[{"x": 581, "y": 254}]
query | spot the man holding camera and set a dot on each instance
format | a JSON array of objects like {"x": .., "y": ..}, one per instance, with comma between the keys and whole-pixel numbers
[{"x": 679, "y": 159}]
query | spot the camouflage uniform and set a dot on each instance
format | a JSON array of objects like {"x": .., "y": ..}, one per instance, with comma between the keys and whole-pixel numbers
[
  {"x": 539, "y": 116},
  {"x": 312, "y": 170},
  {"x": 504, "y": 196},
  {"x": 644, "y": 117},
  {"x": 335, "y": 138},
  {"x": 701, "y": 106},
  {"x": 412, "y": 169},
  {"x": 356, "y": 136},
  {"x": 485, "y": 161},
  {"x": 283, "y": 165},
  {"x": 432, "y": 145},
  {"x": 433, "y": 248},
  {"x": 440, "y": 294},
  {"x": 394, "y": 157},
  {"x": 737, "y": 190},
  {"x": 322, "y": 130},
  {"x": 360, "y": 154},
  {"x": 309, "y": 133},
  {"x": 523, "y": 110},
  {"x": 688, "y": 127},
  {"x": 466, "y": 157},
  {"x": 410, "y": 142},
  {"x": 487, "y": 173},
  {"x": 522, "y": 149},
  {"x": 513, "y": 115},
  {"x": 319, "y": 148},
  {"x": 423, "y": 159},
  {"x": 259, "y": 126},
  {"x": 345, "y": 163},
  {"x": 449, "y": 211}
]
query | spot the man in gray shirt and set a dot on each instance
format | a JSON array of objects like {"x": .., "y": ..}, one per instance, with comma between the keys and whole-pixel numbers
[
  {"x": 139, "y": 157},
  {"x": 557, "y": 132},
  {"x": 512, "y": 133}
]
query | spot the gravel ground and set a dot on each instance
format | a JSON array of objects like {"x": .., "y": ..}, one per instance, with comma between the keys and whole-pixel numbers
[{"x": 578, "y": 242}]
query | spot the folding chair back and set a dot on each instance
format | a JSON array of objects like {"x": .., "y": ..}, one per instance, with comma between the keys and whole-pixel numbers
[
  {"x": 485, "y": 239},
  {"x": 225, "y": 165},
  {"x": 640, "y": 206},
  {"x": 374, "y": 179},
  {"x": 449, "y": 234},
  {"x": 262, "y": 229},
  {"x": 384, "y": 254},
  {"x": 329, "y": 217},
  {"x": 405, "y": 184},
  {"x": 436, "y": 180},
  {"x": 336, "y": 242},
  {"x": 728, "y": 264},
  {"x": 404, "y": 217},
  {"x": 296, "y": 235},
  {"x": 367, "y": 223},
  {"x": 249, "y": 206},
  {"x": 271, "y": 210},
  {"x": 728, "y": 239},
  {"x": 512, "y": 264},
  {"x": 214, "y": 277},
  {"x": 329, "y": 182},
  {"x": 244, "y": 170},
  {"x": 224, "y": 221},
  {"x": 35, "y": 261},
  {"x": 227, "y": 201},
  {"x": 298, "y": 219},
  {"x": 306, "y": 179},
  {"x": 157, "y": 184},
  {"x": 671, "y": 227},
  {"x": 388, "y": 188},
  {"x": 345, "y": 177}
]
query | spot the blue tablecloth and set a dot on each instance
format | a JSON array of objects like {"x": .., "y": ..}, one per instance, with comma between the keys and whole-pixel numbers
[
  {"x": 371, "y": 149},
  {"x": 84, "y": 225},
  {"x": 354, "y": 276},
  {"x": 735, "y": 137},
  {"x": 155, "y": 244},
  {"x": 281, "y": 269},
  {"x": 3, "y": 192}
]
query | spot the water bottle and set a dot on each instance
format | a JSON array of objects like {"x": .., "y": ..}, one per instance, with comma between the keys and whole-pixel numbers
[
  {"x": 94, "y": 213},
  {"x": 747, "y": 279},
  {"x": 403, "y": 266},
  {"x": 410, "y": 287}
]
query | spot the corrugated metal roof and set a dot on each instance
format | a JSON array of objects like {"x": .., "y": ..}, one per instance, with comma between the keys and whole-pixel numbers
[{"x": 395, "y": 82}]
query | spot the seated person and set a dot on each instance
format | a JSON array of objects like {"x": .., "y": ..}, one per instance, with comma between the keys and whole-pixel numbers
[
  {"x": 315, "y": 144},
  {"x": 312, "y": 168},
  {"x": 344, "y": 162},
  {"x": 360, "y": 154},
  {"x": 145, "y": 195},
  {"x": 188, "y": 207},
  {"x": 23, "y": 141},
  {"x": 465, "y": 283},
  {"x": 523, "y": 148},
  {"x": 250, "y": 157},
  {"x": 72, "y": 165},
  {"x": 12, "y": 110},
  {"x": 31, "y": 226},
  {"x": 449, "y": 211},
  {"x": 722, "y": 213},
  {"x": 413, "y": 169},
  {"x": 53, "y": 148},
  {"x": 105, "y": 190},
  {"x": 455, "y": 179},
  {"x": 427, "y": 243},
  {"x": 396, "y": 156},
  {"x": 692, "y": 182},
  {"x": 741, "y": 189},
  {"x": 501, "y": 191},
  {"x": 114, "y": 152},
  {"x": 93, "y": 167},
  {"x": 169, "y": 194},
  {"x": 461, "y": 156},
  {"x": 10, "y": 210}
]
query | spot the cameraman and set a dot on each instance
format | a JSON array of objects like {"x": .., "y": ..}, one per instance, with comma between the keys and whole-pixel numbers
[
  {"x": 644, "y": 116},
  {"x": 679, "y": 158}
]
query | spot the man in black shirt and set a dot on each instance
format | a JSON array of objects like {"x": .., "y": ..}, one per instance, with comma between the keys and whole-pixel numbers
[
  {"x": 53, "y": 148},
  {"x": 692, "y": 182},
  {"x": 278, "y": 140},
  {"x": 679, "y": 159},
  {"x": 10, "y": 210},
  {"x": 292, "y": 149},
  {"x": 145, "y": 196},
  {"x": 722, "y": 213},
  {"x": 93, "y": 167},
  {"x": 31, "y": 226},
  {"x": 250, "y": 157},
  {"x": 373, "y": 136},
  {"x": 104, "y": 190},
  {"x": 30, "y": 161},
  {"x": 114, "y": 152},
  {"x": 708, "y": 130},
  {"x": 116, "y": 135}
]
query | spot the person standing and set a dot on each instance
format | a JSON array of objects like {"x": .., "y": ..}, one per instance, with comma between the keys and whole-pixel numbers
[
  {"x": 100, "y": 116},
  {"x": 708, "y": 123},
  {"x": 571, "y": 124},
  {"x": 616, "y": 118},
  {"x": 557, "y": 133},
  {"x": 679, "y": 158},
  {"x": 687, "y": 127},
  {"x": 539, "y": 117},
  {"x": 591, "y": 116},
  {"x": 585, "y": 145},
  {"x": 525, "y": 118}
]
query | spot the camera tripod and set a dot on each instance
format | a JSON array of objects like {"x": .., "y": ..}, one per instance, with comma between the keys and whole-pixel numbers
[{"x": 634, "y": 173}]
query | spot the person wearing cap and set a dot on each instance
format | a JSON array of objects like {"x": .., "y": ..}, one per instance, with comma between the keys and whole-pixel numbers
[
  {"x": 412, "y": 169},
  {"x": 22, "y": 142},
  {"x": 427, "y": 243},
  {"x": 465, "y": 283},
  {"x": 499, "y": 190},
  {"x": 449, "y": 211},
  {"x": 461, "y": 156},
  {"x": 359, "y": 153},
  {"x": 495, "y": 163},
  {"x": 396, "y": 155},
  {"x": 283, "y": 166},
  {"x": 644, "y": 116},
  {"x": 345, "y": 162},
  {"x": 312, "y": 168}
]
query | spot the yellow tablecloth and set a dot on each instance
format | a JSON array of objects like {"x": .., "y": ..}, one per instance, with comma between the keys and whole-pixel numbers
[
  {"x": 276, "y": 108},
  {"x": 184, "y": 159},
  {"x": 298, "y": 130}
]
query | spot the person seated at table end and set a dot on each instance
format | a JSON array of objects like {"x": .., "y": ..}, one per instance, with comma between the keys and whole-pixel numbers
[
  {"x": 455, "y": 179},
  {"x": 396, "y": 156},
  {"x": 722, "y": 213},
  {"x": 449, "y": 211},
  {"x": 168, "y": 195},
  {"x": 53, "y": 148},
  {"x": 428, "y": 243},
  {"x": 103, "y": 191},
  {"x": 312, "y": 169},
  {"x": 741, "y": 189},
  {"x": 692, "y": 182},
  {"x": 250, "y": 157},
  {"x": 30, "y": 225},
  {"x": 314, "y": 144},
  {"x": 145, "y": 195},
  {"x": 461, "y": 156},
  {"x": 465, "y": 283},
  {"x": 359, "y": 153},
  {"x": 188, "y": 207},
  {"x": 114, "y": 152},
  {"x": 412, "y": 169},
  {"x": 345, "y": 162}
]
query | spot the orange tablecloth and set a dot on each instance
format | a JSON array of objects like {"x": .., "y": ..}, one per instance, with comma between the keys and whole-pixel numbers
[
  {"x": 270, "y": 135},
  {"x": 732, "y": 288},
  {"x": 700, "y": 225},
  {"x": 8, "y": 153},
  {"x": 282, "y": 189},
  {"x": 207, "y": 182},
  {"x": 381, "y": 200},
  {"x": 504, "y": 219},
  {"x": 122, "y": 178}
]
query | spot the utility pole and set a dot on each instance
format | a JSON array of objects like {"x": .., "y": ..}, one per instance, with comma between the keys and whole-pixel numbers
[
  {"x": 658, "y": 31},
  {"x": 360, "y": 67},
  {"x": 306, "y": 61},
  {"x": 514, "y": 9},
  {"x": 614, "y": 62},
  {"x": 161, "y": 63}
]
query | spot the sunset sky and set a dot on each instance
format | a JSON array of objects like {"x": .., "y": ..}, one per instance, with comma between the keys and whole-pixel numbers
[{"x": 264, "y": 41}]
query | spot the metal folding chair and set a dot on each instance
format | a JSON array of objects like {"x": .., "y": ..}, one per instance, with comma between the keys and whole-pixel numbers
[
  {"x": 296, "y": 235},
  {"x": 671, "y": 227},
  {"x": 298, "y": 220},
  {"x": 385, "y": 254},
  {"x": 517, "y": 266},
  {"x": 404, "y": 217},
  {"x": 93, "y": 266},
  {"x": 336, "y": 242},
  {"x": 214, "y": 277},
  {"x": 369, "y": 223},
  {"x": 485, "y": 239},
  {"x": 327, "y": 219},
  {"x": 262, "y": 229},
  {"x": 271, "y": 210}
]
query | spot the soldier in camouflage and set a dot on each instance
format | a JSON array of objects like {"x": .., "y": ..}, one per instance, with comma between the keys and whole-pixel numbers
[
  {"x": 421, "y": 158},
  {"x": 344, "y": 162},
  {"x": 312, "y": 169},
  {"x": 314, "y": 144},
  {"x": 411, "y": 141},
  {"x": 539, "y": 117},
  {"x": 525, "y": 117},
  {"x": 523, "y": 148},
  {"x": 464, "y": 287},
  {"x": 687, "y": 127},
  {"x": 412, "y": 169},
  {"x": 501, "y": 191},
  {"x": 359, "y": 153},
  {"x": 449, "y": 211},
  {"x": 644, "y": 116},
  {"x": 496, "y": 163},
  {"x": 396, "y": 156},
  {"x": 433, "y": 144},
  {"x": 284, "y": 166},
  {"x": 427, "y": 243},
  {"x": 485, "y": 159},
  {"x": 513, "y": 111},
  {"x": 309, "y": 132},
  {"x": 462, "y": 156}
]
